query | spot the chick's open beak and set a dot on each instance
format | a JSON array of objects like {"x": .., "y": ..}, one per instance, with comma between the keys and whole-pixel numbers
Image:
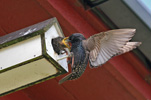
[{"x": 65, "y": 42}]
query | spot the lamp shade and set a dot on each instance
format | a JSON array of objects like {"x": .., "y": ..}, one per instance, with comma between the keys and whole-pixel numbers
[{"x": 27, "y": 56}]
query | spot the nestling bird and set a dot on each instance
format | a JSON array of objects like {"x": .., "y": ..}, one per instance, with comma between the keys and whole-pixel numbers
[
  {"x": 97, "y": 49},
  {"x": 58, "y": 45}
]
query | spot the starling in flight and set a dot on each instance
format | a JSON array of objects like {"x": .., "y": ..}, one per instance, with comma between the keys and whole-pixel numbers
[{"x": 97, "y": 49}]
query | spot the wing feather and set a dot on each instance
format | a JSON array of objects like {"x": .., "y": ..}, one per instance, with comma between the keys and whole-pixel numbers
[
  {"x": 107, "y": 44},
  {"x": 129, "y": 46},
  {"x": 108, "y": 52},
  {"x": 105, "y": 54}
]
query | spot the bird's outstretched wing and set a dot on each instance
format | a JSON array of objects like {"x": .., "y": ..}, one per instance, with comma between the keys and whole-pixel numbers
[{"x": 105, "y": 45}]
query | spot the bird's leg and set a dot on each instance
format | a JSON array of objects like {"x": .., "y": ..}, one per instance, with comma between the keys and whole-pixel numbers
[{"x": 70, "y": 60}]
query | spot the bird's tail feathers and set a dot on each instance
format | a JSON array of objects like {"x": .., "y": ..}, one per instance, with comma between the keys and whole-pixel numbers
[{"x": 65, "y": 78}]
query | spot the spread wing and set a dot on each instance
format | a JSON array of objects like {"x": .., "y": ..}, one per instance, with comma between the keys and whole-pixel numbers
[{"x": 105, "y": 45}]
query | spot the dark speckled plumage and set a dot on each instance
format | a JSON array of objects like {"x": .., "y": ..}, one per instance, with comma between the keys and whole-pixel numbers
[
  {"x": 98, "y": 49},
  {"x": 79, "y": 58}
]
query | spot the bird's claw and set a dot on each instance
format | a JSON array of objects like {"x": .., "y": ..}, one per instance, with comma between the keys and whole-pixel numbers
[{"x": 69, "y": 62}]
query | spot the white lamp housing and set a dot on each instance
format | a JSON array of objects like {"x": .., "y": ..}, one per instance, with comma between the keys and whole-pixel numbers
[{"x": 27, "y": 56}]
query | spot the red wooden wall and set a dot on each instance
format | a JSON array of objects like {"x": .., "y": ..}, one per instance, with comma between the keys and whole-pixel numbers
[{"x": 122, "y": 78}]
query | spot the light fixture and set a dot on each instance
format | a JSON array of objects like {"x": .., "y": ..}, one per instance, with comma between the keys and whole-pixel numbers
[
  {"x": 91, "y": 3},
  {"x": 27, "y": 56}
]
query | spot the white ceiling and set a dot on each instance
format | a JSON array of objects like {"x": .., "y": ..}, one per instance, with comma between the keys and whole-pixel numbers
[{"x": 123, "y": 17}]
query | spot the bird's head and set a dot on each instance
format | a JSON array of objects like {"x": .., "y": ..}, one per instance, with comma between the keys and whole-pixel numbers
[{"x": 76, "y": 37}]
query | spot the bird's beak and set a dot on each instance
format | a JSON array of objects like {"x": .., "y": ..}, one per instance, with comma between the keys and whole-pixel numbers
[{"x": 65, "y": 42}]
